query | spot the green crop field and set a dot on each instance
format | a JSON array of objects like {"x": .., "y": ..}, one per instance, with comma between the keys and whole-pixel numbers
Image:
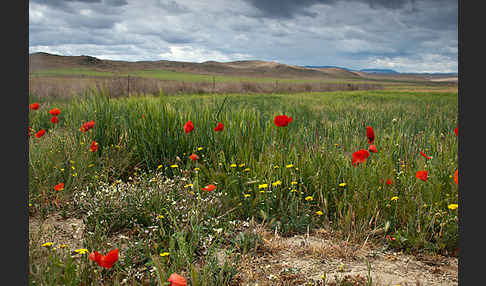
[
  {"x": 141, "y": 183},
  {"x": 184, "y": 76},
  {"x": 71, "y": 72}
]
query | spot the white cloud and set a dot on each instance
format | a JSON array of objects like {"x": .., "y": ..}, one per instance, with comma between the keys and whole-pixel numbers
[
  {"x": 191, "y": 54},
  {"x": 428, "y": 63},
  {"x": 346, "y": 33}
]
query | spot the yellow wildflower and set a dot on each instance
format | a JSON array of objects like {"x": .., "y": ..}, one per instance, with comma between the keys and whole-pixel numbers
[
  {"x": 293, "y": 183},
  {"x": 246, "y": 195},
  {"x": 276, "y": 167},
  {"x": 341, "y": 267},
  {"x": 63, "y": 246},
  {"x": 276, "y": 183},
  {"x": 199, "y": 148},
  {"x": 188, "y": 186},
  {"x": 233, "y": 165},
  {"x": 241, "y": 165},
  {"x": 246, "y": 170},
  {"x": 75, "y": 174},
  {"x": 293, "y": 190},
  {"x": 164, "y": 254},
  {"x": 319, "y": 213},
  {"x": 159, "y": 166},
  {"x": 197, "y": 169},
  {"x": 81, "y": 251},
  {"x": 47, "y": 244},
  {"x": 452, "y": 206},
  {"x": 309, "y": 198},
  {"x": 160, "y": 217},
  {"x": 262, "y": 186},
  {"x": 394, "y": 198},
  {"x": 342, "y": 185},
  {"x": 289, "y": 166}
]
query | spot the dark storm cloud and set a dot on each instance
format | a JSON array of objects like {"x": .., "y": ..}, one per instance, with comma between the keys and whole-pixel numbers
[
  {"x": 172, "y": 7},
  {"x": 73, "y": 6},
  {"x": 418, "y": 35},
  {"x": 116, "y": 3},
  {"x": 290, "y": 8},
  {"x": 62, "y": 3}
]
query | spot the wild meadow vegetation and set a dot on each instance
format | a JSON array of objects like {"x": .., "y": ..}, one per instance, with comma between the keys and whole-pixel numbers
[{"x": 139, "y": 188}]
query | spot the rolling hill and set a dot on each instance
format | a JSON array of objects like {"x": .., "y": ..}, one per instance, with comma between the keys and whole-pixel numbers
[{"x": 39, "y": 62}]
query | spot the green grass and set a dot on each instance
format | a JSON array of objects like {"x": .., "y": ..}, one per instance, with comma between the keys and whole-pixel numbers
[
  {"x": 141, "y": 137},
  {"x": 194, "y": 77},
  {"x": 71, "y": 72}
]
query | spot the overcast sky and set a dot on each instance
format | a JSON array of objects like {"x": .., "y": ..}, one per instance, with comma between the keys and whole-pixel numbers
[{"x": 407, "y": 36}]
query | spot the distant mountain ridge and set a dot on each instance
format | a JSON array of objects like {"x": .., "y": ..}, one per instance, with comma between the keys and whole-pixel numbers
[{"x": 383, "y": 71}]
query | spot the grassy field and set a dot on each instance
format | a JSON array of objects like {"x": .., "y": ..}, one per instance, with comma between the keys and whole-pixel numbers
[
  {"x": 141, "y": 185},
  {"x": 164, "y": 75},
  {"x": 220, "y": 78}
]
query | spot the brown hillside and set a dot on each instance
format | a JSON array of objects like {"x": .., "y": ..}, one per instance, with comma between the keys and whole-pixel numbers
[
  {"x": 43, "y": 61},
  {"x": 246, "y": 68}
]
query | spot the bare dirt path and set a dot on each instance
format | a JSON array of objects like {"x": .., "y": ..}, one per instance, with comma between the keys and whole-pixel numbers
[{"x": 301, "y": 260}]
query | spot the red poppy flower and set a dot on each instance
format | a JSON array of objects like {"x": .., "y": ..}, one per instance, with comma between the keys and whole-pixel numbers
[
  {"x": 423, "y": 154},
  {"x": 93, "y": 147},
  {"x": 219, "y": 127},
  {"x": 390, "y": 237},
  {"x": 372, "y": 148},
  {"x": 106, "y": 261},
  {"x": 360, "y": 156},
  {"x": 282, "y": 120},
  {"x": 456, "y": 131},
  {"x": 422, "y": 175},
  {"x": 54, "y": 119},
  {"x": 59, "y": 187},
  {"x": 209, "y": 188},
  {"x": 34, "y": 106},
  {"x": 40, "y": 133},
  {"x": 95, "y": 256},
  {"x": 188, "y": 127},
  {"x": 177, "y": 280},
  {"x": 55, "y": 111},
  {"x": 389, "y": 182},
  {"x": 87, "y": 126},
  {"x": 194, "y": 157},
  {"x": 30, "y": 130},
  {"x": 456, "y": 177},
  {"x": 370, "y": 134}
]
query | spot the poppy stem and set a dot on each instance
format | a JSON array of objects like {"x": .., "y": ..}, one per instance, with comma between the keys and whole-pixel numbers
[{"x": 221, "y": 107}]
